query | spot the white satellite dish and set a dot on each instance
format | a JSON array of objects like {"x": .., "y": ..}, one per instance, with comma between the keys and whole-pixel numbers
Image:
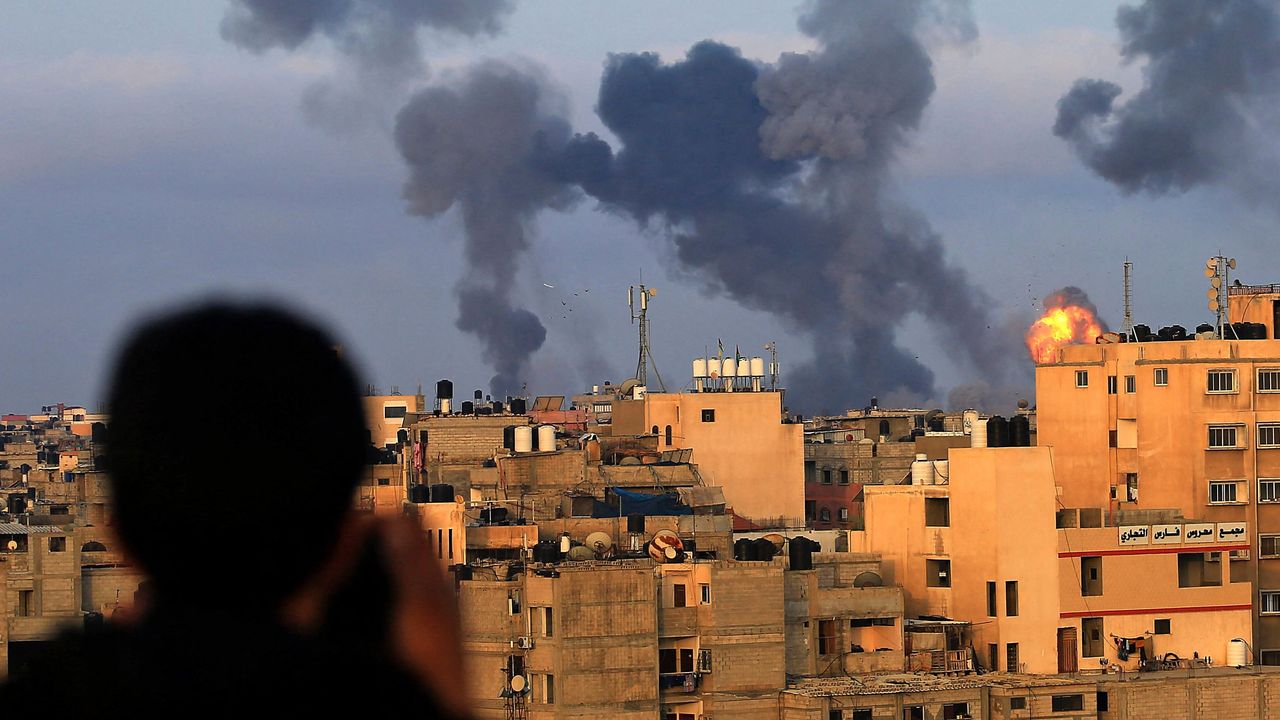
[
  {"x": 12, "y": 545},
  {"x": 599, "y": 542},
  {"x": 518, "y": 683}
]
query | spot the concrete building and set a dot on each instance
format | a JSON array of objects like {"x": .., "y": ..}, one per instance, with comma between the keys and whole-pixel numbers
[
  {"x": 1190, "y": 425},
  {"x": 741, "y": 442}
]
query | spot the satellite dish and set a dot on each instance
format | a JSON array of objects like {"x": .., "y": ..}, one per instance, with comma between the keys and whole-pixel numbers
[
  {"x": 581, "y": 553},
  {"x": 599, "y": 542},
  {"x": 12, "y": 545},
  {"x": 653, "y": 292},
  {"x": 518, "y": 683},
  {"x": 1231, "y": 263},
  {"x": 776, "y": 539},
  {"x": 666, "y": 546},
  {"x": 628, "y": 386},
  {"x": 868, "y": 579}
]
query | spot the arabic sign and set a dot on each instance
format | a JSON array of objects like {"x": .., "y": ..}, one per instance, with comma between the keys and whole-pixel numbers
[
  {"x": 1135, "y": 534},
  {"x": 1198, "y": 532},
  {"x": 1166, "y": 534},
  {"x": 1232, "y": 532}
]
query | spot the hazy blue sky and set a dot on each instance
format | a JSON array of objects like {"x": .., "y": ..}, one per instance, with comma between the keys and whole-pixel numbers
[{"x": 144, "y": 160}]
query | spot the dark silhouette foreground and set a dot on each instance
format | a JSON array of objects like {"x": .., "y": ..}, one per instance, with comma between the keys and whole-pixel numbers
[{"x": 236, "y": 438}]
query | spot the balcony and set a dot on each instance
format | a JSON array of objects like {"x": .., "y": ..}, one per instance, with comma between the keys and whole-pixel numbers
[{"x": 679, "y": 683}]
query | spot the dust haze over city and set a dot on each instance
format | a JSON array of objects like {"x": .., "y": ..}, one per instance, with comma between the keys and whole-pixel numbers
[{"x": 841, "y": 359}]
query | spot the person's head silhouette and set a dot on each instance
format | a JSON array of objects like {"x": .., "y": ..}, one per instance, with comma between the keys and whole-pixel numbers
[{"x": 235, "y": 441}]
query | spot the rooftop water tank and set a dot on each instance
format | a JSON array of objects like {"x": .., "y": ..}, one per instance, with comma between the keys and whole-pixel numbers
[
  {"x": 744, "y": 367},
  {"x": 921, "y": 470},
  {"x": 444, "y": 390},
  {"x": 1237, "y": 653},
  {"x": 1020, "y": 431},
  {"x": 997, "y": 432},
  {"x": 699, "y": 367},
  {"x": 546, "y": 438},
  {"x": 728, "y": 368},
  {"x": 524, "y": 439},
  {"x": 757, "y": 367},
  {"x": 518, "y": 406}
]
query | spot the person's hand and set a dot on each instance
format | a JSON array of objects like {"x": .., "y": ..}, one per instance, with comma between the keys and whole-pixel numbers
[{"x": 424, "y": 635}]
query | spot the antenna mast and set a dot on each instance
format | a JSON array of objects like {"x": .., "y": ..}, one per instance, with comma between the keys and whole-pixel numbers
[
  {"x": 1127, "y": 330},
  {"x": 642, "y": 315}
]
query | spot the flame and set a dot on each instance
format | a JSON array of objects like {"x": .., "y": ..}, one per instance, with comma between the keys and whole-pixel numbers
[{"x": 1060, "y": 326}]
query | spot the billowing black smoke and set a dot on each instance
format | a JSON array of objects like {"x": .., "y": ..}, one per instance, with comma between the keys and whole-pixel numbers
[
  {"x": 1205, "y": 111},
  {"x": 378, "y": 38},
  {"x": 772, "y": 182},
  {"x": 476, "y": 143}
]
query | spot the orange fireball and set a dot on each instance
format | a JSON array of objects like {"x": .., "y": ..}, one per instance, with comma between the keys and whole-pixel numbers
[{"x": 1060, "y": 326}]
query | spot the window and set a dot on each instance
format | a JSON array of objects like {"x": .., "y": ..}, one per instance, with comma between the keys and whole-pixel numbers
[
  {"x": 1113, "y": 438},
  {"x": 1199, "y": 569},
  {"x": 1160, "y": 377},
  {"x": 545, "y": 689},
  {"x": 937, "y": 573},
  {"x": 394, "y": 411},
  {"x": 1269, "y": 657},
  {"x": 1222, "y": 491},
  {"x": 1091, "y": 575},
  {"x": 1268, "y": 435},
  {"x": 913, "y": 712},
  {"x": 844, "y": 514},
  {"x": 810, "y": 509},
  {"x": 1221, "y": 381},
  {"x": 1269, "y": 546},
  {"x": 1268, "y": 490},
  {"x": 668, "y": 661},
  {"x": 1094, "y": 644},
  {"x": 1111, "y": 384},
  {"x": 844, "y": 477},
  {"x": 57, "y": 544},
  {"x": 951, "y": 711},
  {"x": 1163, "y": 626},
  {"x": 704, "y": 593},
  {"x": 1082, "y": 378},
  {"x": 937, "y": 512},
  {"x": 708, "y": 415},
  {"x": 828, "y": 642},
  {"x": 1130, "y": 383},
  {"x": 993, "y": 656},
  {"x": 1104, "y": 703},
  {"x": 1011, "y": 657},
  {"x": 1131, "y": 487},
  {"x": 824, "y": 515},
  {"x": 991, "y": 599},
  {"x": 678, "y": 592},
  {"x": 1268, "y": 380},
  {"x": 1017, "y": 703},
  {"x": 826, "y": 476},
  {"x": 1222, "y": 436},
  {"x": 1067, "y": 703},
  {"x": 545, "y": 620},
  {"x": 1269, "y": 605},
  {"x": 24, "y": 603},
  {"x": 1011, "y": 598},
  {"x": 667, "y": 432}
]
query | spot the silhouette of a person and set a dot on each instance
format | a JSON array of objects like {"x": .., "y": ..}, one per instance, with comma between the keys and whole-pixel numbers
[{"x": 235, "y": 440}]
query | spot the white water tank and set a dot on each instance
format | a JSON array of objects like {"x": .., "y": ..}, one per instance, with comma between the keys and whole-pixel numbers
[
  {"x": 446, "y": 405},
  {"x": 546, "y": 438},
  {"x": 978, "y": 435},
  {"x": 744, "y": 368},
  {"x": 1237, "y": 652},
  {"x": 728, "y": 368},
  {"x": 921, "y": 470},
  {"x": 699, "y": 367},
  {"x": 941, "y": 472},
  {"x": 524, "y": 438},
  {"x": 757, "y": 367},
  {"x": 970, "y": 420}
]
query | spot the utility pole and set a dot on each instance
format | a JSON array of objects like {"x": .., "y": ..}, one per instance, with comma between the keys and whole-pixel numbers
[{"x": 1127, "y": 330}]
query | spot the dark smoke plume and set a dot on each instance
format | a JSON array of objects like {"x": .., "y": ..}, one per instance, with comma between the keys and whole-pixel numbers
[
  {"x": 773, "y": 183},
  {"x": 475, "y": 143},
  {"x": 1072, "y": 295},
  {"x": 378, "y": 38},
  {"x": 1207, "y": 106}
]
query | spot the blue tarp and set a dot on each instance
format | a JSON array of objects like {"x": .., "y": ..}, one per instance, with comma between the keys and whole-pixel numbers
[{"x": 635, "y": 503}]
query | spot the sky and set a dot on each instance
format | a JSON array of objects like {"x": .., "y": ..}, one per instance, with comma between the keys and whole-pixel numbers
[{"x": 145, "y": 161}]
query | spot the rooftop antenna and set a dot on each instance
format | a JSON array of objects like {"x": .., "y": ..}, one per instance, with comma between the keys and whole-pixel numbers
[
  {"x": 772, "y": 347},
  {"x": 642, "y": 315},
  {"x": 1218, "y": 269},
  {"x": 1127, "y": 330}
]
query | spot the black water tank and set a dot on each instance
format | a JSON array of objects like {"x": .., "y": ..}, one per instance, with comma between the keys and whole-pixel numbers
[
  {"x": 1142, "y": 333},
  {"x": 441, "y": 492},
  {"x": 479, "y": 395},
  {"x": 635, "y": 523},
  {"x": 1259, "y": 331},
  {"x": 997, "y": 432},
  {"x": 419, "y": 494},
  {"x": 484, "y": 410},
  {"x": 444, "y": 390},
  {"x": 765, "y": 549},
  {"x": 493, "y": 515},
  {"x": 743, "y": 550},
  {"x": 1177, "y": 332},
  {"x": 467, "y": 407},
  {"x": 800, "y": 551},
  {"x": 402, "y": 436},
  {"x": 1204, "y": 328},
  {"x": 497, "y": 407},
  {"x": 509, "y": 437},
  {"x": 462, "y": 572},
  {"x": 1020, "y": 431},
  {"x": 546, "y": 551},
  {"x": 518, "y": 406}
]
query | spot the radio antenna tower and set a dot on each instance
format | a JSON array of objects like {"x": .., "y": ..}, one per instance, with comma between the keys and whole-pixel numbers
[
  {"x": 1127, "y": 330},
  {"x": 642, "y": 315}
]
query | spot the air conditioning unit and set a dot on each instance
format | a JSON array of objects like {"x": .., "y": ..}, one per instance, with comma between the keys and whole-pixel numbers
[
  {"x": 523, "y": 642},
  {"x": 1239, "y": 555}
]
